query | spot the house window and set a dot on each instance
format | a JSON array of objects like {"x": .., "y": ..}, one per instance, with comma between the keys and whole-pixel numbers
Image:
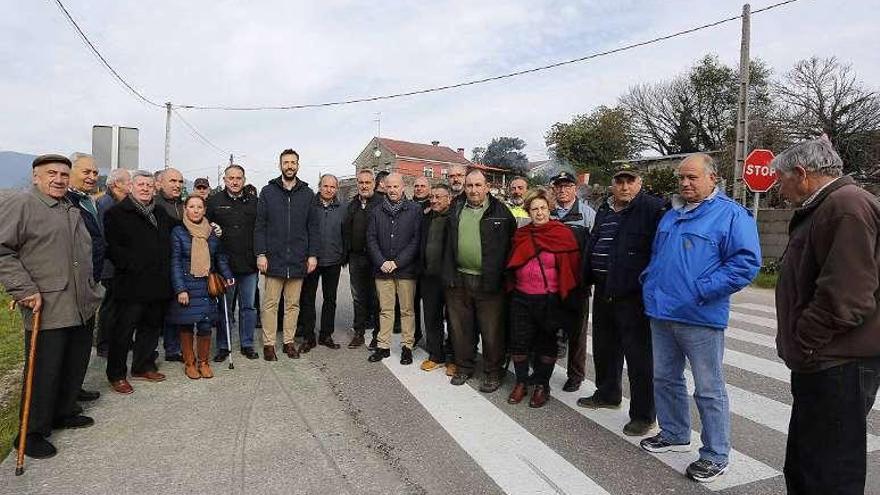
[
  {"x": 429, "y": 172},
  {"x": 444, "y": 172}
]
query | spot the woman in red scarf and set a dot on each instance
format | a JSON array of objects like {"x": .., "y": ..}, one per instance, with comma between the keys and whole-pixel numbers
[{"x": 545, "y": 261}]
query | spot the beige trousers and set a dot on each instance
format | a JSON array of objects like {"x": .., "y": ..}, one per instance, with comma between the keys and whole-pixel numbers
[
  {"x": 405, "y": 291},
  {"x": 271, "y": 294}
]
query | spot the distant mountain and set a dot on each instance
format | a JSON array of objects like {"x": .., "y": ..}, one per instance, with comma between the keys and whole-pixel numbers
[{"x": 15, "y": 169}]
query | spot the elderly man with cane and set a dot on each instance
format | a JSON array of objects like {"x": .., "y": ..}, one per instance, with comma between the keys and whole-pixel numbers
[{"x": 46, "y": 266}]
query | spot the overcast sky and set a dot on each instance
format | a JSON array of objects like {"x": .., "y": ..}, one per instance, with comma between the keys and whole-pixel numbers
[{"x": 277, "y": 52}]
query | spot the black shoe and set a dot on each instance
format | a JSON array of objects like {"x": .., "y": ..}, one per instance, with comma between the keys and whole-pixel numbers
[
  {"x": 594, "y": 402},
  {"x": 405, "y": 356},
  {"x": 490, "y": 385},
  {"x": 73, "y": 422},
  {"x": 76, "y": 410},
  {"x": 705, "y": 471},
  {"x": 173, "y": 357},
  {"x": 657, "y": 445},
  {"x": 221, "y": 355},
  {"x": 328, "y": 342},
  {"x": 87, "y": 395},
  {"x": 249, "y": 353},
  {"x": 638, "y": 428},
  {"x": 571, "y": 385},
  {"x": 374, "y": 344},
  {"x": 459, "y": 379},
  {"x": 36, "y": 446},
  {"x": 378, "y": 355}
]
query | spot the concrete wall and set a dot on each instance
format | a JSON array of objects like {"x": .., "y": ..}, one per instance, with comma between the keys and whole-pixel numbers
[{"x": 773, "y": 229}]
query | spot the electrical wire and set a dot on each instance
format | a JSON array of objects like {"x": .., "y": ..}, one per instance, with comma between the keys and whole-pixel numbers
[
  {"x": 492, "y": 78},
  {"x": 472, "y": 82},
  {"x": 103, "y": 60},
  {"x": 198, "y": 135}
]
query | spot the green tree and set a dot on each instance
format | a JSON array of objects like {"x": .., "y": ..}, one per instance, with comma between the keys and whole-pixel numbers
[
  {"x": 695, "y": 111},
  {"x": 590, "y": 142},
  {"x": 506, "y": 152},
  {"x": 660, "y": 181}
]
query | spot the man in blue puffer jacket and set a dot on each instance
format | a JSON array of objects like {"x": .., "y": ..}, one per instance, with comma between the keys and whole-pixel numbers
[
  {"x": 706, "y": 249},
  {"x": 286, "y": 245}
]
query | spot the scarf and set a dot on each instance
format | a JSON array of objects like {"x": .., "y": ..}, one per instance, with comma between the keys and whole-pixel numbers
[
  {"x": 392, "y": 208},
  {"x": 146, "y": 210},
  {"x": 200, "y": 257},
  {"x": 552, "y": 237}
]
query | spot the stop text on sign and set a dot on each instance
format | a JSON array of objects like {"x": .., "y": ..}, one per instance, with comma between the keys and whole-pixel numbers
[{"x": 760, "y": 170}]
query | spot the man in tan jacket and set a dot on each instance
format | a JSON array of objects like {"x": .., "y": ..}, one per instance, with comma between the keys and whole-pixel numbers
[{"x": 46, "y": 266}]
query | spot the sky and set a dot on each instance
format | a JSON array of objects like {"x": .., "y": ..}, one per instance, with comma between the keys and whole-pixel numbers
[{"x": 274, "y": 52}]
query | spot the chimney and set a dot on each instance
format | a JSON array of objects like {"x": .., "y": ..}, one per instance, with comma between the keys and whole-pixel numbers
[
  {"x": 435, "y": 143},
  {"x": 460, "y": 151}
]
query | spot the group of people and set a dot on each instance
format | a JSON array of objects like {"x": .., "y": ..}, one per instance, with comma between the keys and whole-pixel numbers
[{"x": 461, "y": 268}]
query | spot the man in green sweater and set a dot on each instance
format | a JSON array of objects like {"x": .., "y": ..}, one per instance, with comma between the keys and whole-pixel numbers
[{"x": 478, "y": 242}]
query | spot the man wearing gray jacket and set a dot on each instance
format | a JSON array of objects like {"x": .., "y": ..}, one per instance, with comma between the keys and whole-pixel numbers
[
  {"x": 46, "y": 266},
  {"x": 331, "y": 256}
]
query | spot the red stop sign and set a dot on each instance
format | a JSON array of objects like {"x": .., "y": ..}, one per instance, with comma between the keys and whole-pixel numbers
[{"x": 757, "y": 173}]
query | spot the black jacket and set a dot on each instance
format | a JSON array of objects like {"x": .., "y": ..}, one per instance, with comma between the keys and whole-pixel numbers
[
  {"x": 395, "y": 237},
  {"x": 427, "y": 220},
  {"x": 173, "y": 207},
  {"x": 236, "y": 216},
  {"x": 140, "y": 252},
  {"x": 96, "y": 232},
  {"x": 286, "y": 231},
  {"x": 631, "y": 250},
  {"x": 496, "y": 233},
  {"x": 349, "y": 228},
  {"x": 331, "y": 221}
]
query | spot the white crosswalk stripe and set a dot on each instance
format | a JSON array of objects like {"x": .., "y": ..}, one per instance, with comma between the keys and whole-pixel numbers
[
  {"x": 493, "y": 439},
  {"x": 757, "y": 408},
  {"x": 514, "y": 458},
  {"x": 755, "y": 307}
]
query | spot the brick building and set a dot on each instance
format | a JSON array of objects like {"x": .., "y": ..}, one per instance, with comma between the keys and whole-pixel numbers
[{"x": 410, "y": 159}]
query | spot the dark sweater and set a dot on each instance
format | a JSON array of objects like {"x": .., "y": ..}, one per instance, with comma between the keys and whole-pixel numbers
[{"x": 829, "y": 281}]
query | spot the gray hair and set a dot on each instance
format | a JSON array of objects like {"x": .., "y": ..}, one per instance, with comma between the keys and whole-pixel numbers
[
  {"x": 709, "y": 165},
  {"x": 324, "y": 176},
  {"x": 79, "y": 156},
  {"x": 367, "y": 171},
  {"x": 141, "y": 173},
  {"x": 814, "y": 155},
  {"x": 117, "y": 175}
]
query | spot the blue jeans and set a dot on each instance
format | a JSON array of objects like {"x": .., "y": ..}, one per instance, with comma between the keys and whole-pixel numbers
[
  {"x": 171, "y": 339},
  {"x": 704, "y": 349},
  {"x": 244, "y": 292}
]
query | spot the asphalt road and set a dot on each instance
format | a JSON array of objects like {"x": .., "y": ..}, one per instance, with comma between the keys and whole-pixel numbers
[{"x": 332, "y": 423}]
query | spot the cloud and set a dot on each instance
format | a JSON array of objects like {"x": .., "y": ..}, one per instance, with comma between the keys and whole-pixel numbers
[{"x": 277, "y": 52}]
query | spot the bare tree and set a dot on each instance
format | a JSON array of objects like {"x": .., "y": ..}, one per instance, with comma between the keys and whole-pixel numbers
[{"x": 823, "y": 95}]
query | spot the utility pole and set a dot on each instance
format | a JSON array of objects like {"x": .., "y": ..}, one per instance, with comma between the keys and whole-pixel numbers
[
  {"x": 167, "y": 134},
  {"x": 742, "y": 114},
  {"x": 378, "y": 122}
]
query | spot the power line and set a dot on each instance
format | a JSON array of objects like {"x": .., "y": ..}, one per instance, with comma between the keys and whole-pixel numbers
[
  {"x": 488, "y": 79},
  {"x": 407, "y": 93},
  {"x": 104, "y": 61},
  {"x": 201, "y": 137}
]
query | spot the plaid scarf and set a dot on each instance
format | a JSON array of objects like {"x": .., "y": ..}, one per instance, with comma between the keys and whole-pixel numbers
[
  {"x": 146, "y": 210},
  {"x": 392, "y": 208}
]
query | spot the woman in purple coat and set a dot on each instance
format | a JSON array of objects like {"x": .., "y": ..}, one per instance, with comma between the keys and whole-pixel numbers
[{"x": 195, "y": 252}]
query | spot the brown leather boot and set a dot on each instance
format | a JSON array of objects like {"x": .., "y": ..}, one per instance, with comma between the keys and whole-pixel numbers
[
  {"x": 269, "y": 353},
  {"x": 203, "y": 343},
  {"x": 189, "y": 356},
  {"x": 517, "y": 394}
]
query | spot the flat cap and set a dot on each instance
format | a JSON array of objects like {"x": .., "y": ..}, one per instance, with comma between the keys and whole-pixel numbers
[
  {"x": 202, "y": 181},
  {"x": 50, "y": 158}
]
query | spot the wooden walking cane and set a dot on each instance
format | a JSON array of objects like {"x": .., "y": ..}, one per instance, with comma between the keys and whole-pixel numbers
[{"x": 28, "y": 389}]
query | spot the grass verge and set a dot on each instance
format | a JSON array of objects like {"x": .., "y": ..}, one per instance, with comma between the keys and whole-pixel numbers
[
  {"x": 11, "y": 362},
  {"x": 765, "y": 280}
]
